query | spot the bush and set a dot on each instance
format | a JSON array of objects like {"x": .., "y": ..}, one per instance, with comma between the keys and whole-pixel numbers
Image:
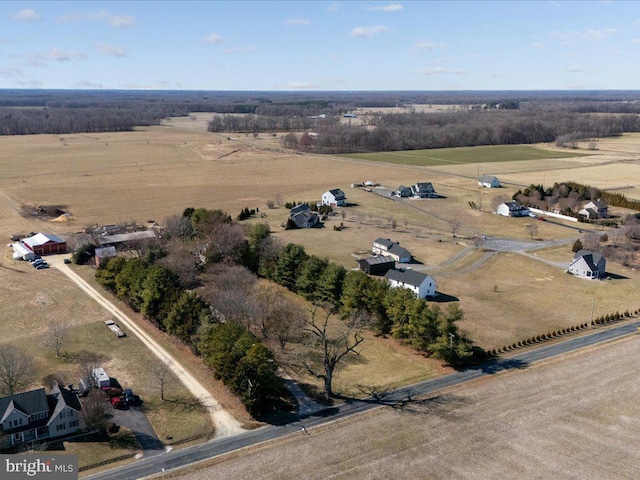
[{"x": 83, "y": 254}]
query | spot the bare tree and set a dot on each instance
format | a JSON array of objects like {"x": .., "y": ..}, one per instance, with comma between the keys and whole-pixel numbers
[
  {"x": 532, "y": 228},
  {"x": 16, "y": 370},
  {"x": 278, "y": 199},
  {"x": 333, "y": 347},
  {"x": 163, "y": 376},
  {"x": 86, "y": 364},
  {"x": 94, "y": 411},
  {"x": 56, "y": 335},
  {"x": 497, "y": 201},
  {"x": 394, "y": 224}
]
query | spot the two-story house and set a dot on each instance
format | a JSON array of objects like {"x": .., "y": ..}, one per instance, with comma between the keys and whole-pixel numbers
[{"x": 35, "y": 415}]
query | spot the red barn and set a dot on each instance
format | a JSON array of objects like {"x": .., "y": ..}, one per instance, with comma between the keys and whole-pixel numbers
[{"x": 42, "y": 244}]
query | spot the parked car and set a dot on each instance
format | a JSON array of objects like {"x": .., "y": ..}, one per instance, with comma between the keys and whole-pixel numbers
[
  {"x": 130, "y": 399},
  {"x": 118, "y": 403},
  {"x": 42, "y": 265},
  {"x": 67, "y": 261},
  {"x": 36, "y": 257},
  {"x": 37, "y": 262}
]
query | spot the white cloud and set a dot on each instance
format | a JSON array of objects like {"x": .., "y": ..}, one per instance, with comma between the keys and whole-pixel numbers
[
  {"x": 213, "y": 38},
  {"x": 101, "y": 16},
  {"x": 106, "y": 49},
  {"x": 589, "y": 34},
  {"x": 301, "y": 85},
  {"x": 56, "y": 55},
  {"x": 537, "y": 45},
  {"x": 297, "y": 21},
  {"x": 333, "y": 7},
  {"x": 441, "y": 71},
  {"x": 574, "y": 69},
  {"x": 240, "y": 50},
  {"x": 30, "y": 83},
  {"x": 636, "y": 41},
  {"x": 392, "y": 7},
  {"x": 430, "y": 46},
  {"x": 26, "y": 15},
  {"x": 368, "y": 31}
]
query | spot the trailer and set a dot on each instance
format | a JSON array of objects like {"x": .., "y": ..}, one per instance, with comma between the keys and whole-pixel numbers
[{"x": 115, "y": 328}]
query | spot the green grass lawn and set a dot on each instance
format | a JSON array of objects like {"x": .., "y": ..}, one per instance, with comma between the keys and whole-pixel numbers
[{"x": 452, "y": 156}]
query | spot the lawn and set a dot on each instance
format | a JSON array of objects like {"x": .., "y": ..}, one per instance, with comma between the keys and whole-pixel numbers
[{"x": 461, "y": 155}]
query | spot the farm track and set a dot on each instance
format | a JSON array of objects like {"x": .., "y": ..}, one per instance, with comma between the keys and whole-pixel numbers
[{"x": 225, "y": 424}]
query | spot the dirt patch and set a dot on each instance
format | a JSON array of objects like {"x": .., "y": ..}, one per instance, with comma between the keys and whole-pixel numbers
[{"x": 45, "y": 212}]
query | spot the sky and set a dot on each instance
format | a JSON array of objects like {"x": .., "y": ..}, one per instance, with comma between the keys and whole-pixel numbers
[{"x": 318, "y": 45}]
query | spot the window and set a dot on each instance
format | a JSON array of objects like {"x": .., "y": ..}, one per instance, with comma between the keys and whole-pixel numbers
[
  {"x": 73, "y": 423},
  {"x": 61, "y": 426}
]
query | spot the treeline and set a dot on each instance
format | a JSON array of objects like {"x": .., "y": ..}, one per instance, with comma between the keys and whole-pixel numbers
[
  {"x": 267, "y": 123},
  {"x": 569, "y": 197},
  {"x": 415, "y": 131},
  {"x": 237, "y": 356},
  {"x": 18, "y": 121}
]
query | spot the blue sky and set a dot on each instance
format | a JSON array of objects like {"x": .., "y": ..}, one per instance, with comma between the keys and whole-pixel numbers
[{"x": 307, "y": 45}]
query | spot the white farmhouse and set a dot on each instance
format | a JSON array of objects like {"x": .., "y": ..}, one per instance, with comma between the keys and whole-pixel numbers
[
  {"x": 420, "y": 284},
  {"x": 333, "y": 198},
  {"x": 512, "y": 209}
]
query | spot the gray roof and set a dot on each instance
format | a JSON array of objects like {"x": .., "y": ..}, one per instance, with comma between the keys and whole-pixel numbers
[
  {"x": 339, "y": 194},
  {"x": 126, "y": 237},
  {"x": 592, "y": 258},
  {"x": 385, "y": 242},
  {"x": 299, "y": 208},
  {"x": 599, "y": 204},
  {"x": 399, "y": 251},
  {"x": 378, "y": 260},
  {"x": 27, "y": 402},
  {"x": 106, "y": 252},
  {"x": 487, "y": 178},
  {"x": 409, "y": 277},
  {"x": 424, "y": 187}
]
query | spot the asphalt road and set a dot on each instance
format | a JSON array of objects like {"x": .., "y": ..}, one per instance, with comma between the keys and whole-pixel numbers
[{"x": 155, "y": 465}]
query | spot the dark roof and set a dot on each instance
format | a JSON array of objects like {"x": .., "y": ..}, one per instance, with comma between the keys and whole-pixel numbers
[
  {"x": 424, "y": 187},
  {"x": 28, "y": 403},
  {"x": 299, "y": 208},
  {"x": 106, "y": 252},
  {"x": 385, "y": 242},
  {"x": 336, "y": 192},
  {"x": 592, "y": 258},
  {"x": 514, "y": 206},
  {"x": 599, "y": 204},
  {"x": 409, "y": 277},
  {"x": 378, "y": 260},
  {"x": 70, "y": 398},
  {"x": 399, "y": 251}
]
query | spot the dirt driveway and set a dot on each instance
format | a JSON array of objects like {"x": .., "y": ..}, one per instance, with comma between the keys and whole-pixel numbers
[{"x": 225, "y": 424}]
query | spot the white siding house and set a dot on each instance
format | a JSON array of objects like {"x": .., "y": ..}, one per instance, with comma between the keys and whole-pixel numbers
[
  {"x": 512, "y": 209},
  {"x": 333, "y": 198},
  {"x": 385, "y": 246},
  {"x": 588, "y": 265},
  {"x": 420, "y": 284}
]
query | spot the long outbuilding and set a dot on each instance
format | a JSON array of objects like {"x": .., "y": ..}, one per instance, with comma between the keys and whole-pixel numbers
[{"x": 45, "y": 244}]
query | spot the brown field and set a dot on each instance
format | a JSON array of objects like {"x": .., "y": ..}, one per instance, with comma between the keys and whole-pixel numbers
[
  {"x": 154, "y": 172},
  {"x": 575, "y": 417}
]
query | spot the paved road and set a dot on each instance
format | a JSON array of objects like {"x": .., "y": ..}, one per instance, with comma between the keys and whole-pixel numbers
[{"x": 176, "y": 459}]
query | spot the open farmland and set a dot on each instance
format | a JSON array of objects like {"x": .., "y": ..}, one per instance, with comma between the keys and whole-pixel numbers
[
  {"x": 154, "y": 172},
  {"x": 452, "y": 156},
  {"x": 571, "y": 418}
]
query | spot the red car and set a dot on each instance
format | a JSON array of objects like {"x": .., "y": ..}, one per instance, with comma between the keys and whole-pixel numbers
[{"x": 117, "y": 402}]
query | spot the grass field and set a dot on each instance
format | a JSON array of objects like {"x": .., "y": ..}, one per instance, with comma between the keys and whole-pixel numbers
[
  {"x": 453, "y": 156},
  {"x": 158, "y": 171}
]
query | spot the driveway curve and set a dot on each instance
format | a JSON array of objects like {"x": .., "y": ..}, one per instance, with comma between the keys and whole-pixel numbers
[{"x": 225, "y": 424}]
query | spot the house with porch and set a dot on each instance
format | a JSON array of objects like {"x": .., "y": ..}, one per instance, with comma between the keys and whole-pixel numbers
[
  {"x": 35, "y": 416},
  {"x": 423, "y": 190},
  {"x": 303, "y": 217},
  {"x": 387, "y": 247}
]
